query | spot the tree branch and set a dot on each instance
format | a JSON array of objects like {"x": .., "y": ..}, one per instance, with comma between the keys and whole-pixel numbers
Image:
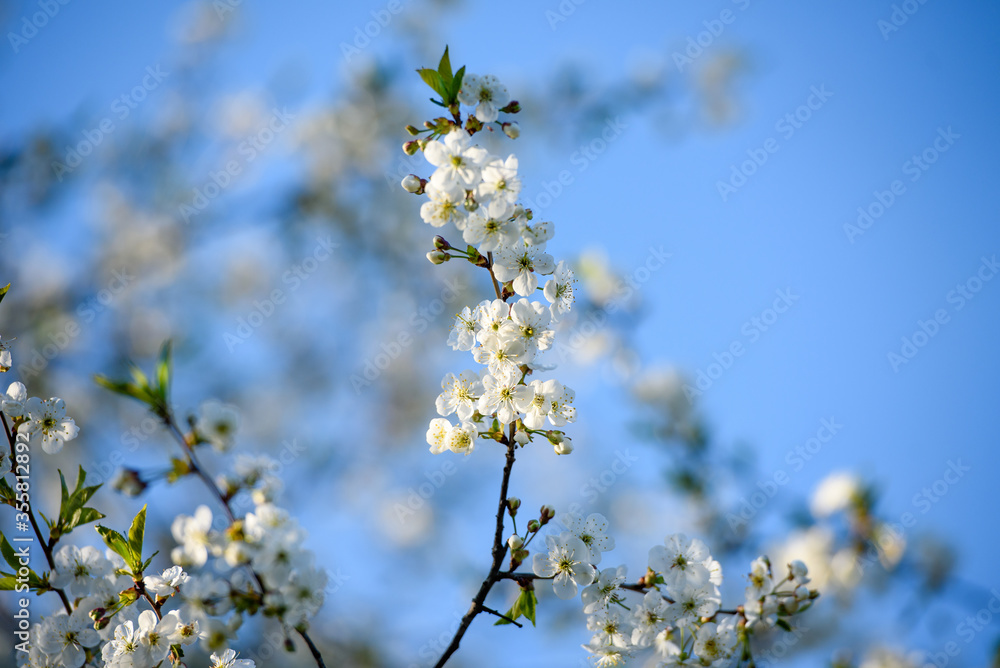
[{"x": 499, "y": 552}]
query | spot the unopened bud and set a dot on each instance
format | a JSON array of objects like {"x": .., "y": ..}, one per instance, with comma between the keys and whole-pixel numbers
[
  {"x": 411, "y": 183},
  {"x": 564, "y": 447},
  {"x": 412, "y": 130},
  {"x": 512, "y": 130},
  {"x": 102, "y": 623},
  {"x": 473, "y": 124},
  {"x": 441, "y": 243},
  {"x": 411, "y": 147},
  {"x": 97, "y": 613},
  {"x": 438, "y": 257},
  {"x": 533, "y": 526},
  {"x": 128, "y": 482},
  {"x": 513, "y": 503},
  {"x": 522, "y": 437},
  {"x": 514, "y": 542},
  {"x": 289, "y": 645},
  {"x": 512, "y": 108},
  {"x": 547, "y": 513}
]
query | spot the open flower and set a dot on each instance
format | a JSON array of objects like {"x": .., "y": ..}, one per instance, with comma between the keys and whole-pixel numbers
[
  {"x": 47, "y": 424},
  {"x": 567, "y": 562}
]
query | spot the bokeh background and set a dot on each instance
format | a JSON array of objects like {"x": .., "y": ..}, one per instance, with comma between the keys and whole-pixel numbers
[{"x": 739, "y": 142}]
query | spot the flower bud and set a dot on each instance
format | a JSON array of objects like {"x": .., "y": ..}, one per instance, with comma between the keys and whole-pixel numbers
[
  {"x": 438, "y": 257},
  {"x": 513, "y": 503},
  {"x": 563, "y": 447},
  {"x": 441, "y": 243},
  {"x": 547, "y": 513},
  {"x": 514, "y": 542},
  {"x": 102, "y": 623},
  {"x": 411, "y": 183},
  {"x": 512, "y": 108},
  {"x": 412, "y": 130},
  {"x": 97, "y": 613},
  {"x": 533, "y": 526},
  {"x": 522, "y": 437},
  {"x": 411, "y": 147},
  {"x": 512, "y": 130}
]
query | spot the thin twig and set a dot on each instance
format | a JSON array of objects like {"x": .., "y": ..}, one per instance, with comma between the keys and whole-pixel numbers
[
  {"x": 503, "y": 616},
  {"x": 499, "y": 552}
]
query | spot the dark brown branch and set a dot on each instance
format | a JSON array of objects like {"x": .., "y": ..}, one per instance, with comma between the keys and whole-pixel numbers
[{"x": 499, "y": 552}]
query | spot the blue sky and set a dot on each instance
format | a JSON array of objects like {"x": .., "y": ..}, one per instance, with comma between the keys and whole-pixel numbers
[{"x": 889, "y": 95}]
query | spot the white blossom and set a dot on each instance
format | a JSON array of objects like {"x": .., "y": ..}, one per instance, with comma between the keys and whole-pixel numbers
[{"x": 567, "y": 562}]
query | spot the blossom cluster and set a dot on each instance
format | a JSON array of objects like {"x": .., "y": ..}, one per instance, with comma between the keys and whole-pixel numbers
[
  {"x": 104, "y": 620},
  {"x": 478, "y": 193},
  {"x": 680, "y": 614},
  {"x": 267, "y": 540}
]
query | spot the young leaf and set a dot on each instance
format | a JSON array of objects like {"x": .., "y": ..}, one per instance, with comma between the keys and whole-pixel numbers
[
  {"x": 3, "y": 291},
  {"x": 8, "y": 553},
  {"x": 116, "y": 543},
  {"x": 163, "y": 370},
  {"x": 72, "y": 512},
  {"x": 528, "y": 607},
  {"x": 444, "y": 67},
  {"x": 433, "y": 79},
  {"x": 456, "y": 83},
  {"x": 135, "y": 535}
]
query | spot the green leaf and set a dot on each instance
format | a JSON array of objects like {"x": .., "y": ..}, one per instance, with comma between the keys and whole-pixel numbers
[
  {"x": 433, "y": 79},
  {"x": 456, "y": 82},
  {"x": 72, "y": 512},
  {"x": 7, "y": 582},
  {"x": 528, "y": 607},
  {"x": 163, "y": 364},
  {"x": 8, "y": 553},
  {"x": 135, "y": 536},
  {"x": 524, "y": 605},
  {"x": 3, "y": 291},
  {"x": 444, "y": 67},
  {"x": 6, "y": 491},
  {"x": 116, "y": 543}
]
